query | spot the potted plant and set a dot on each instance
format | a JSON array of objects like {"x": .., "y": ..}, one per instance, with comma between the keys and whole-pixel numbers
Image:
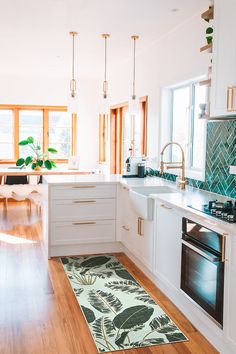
[
  {"x": 37, "y": 159},
  {"x": 209, "y": 31}
]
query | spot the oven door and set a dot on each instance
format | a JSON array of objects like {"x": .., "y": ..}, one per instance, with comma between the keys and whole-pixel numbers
[{"x": 202, "y": 278}]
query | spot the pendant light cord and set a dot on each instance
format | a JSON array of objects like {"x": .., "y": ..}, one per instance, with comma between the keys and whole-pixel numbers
[
  {"x": 73, "y": 57},
  {"x": 105, "y": 83},
  {"x": 134, "y": 66},
  {"x": 73, "y": 81},
  {"x": 134, "y": 70},
  {"x": 105, "y": 67}
]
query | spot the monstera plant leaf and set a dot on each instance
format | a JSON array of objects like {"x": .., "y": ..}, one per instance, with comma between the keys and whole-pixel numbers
[
  {"x": 104, "y": 302},
  {"x": 133, "y": 316},
  {"x": 95, "y": 261},
  {"x": 103, "y": 328},
  {"x": 88, "y": 313}
]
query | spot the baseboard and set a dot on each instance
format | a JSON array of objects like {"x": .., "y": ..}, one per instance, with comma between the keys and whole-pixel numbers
[{"x": 73, "y": 250}]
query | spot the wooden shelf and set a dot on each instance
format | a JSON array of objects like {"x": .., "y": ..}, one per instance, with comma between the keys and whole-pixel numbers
[
  {"x": 206, "y": 47},
  {"x": 209, "y": 14},
  {"x": 205, "y": 82}
]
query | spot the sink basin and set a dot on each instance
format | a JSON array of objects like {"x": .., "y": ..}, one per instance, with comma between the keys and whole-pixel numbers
[{"x": 141, "y": 201}]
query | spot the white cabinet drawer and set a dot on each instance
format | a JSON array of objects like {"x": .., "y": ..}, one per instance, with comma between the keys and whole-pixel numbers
[
  {"x": 83, "y": 209},
  {"x": 84, "y": 191},
  {"x": 65, "y": 233}
]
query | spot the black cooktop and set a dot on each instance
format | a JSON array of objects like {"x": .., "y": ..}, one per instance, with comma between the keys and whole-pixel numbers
[{"x": 224, "y": 211}]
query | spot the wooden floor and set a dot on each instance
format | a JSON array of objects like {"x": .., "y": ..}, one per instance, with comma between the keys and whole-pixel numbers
[{"x": 38, "y": 310}]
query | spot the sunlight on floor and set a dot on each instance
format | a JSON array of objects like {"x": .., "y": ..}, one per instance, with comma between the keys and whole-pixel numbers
[{"x": 14, "y": 239}]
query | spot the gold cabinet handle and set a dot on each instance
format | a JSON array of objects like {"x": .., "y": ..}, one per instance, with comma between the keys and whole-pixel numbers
[
  {"x": 140, "y": 231},
  {"x": 84, "y": 201},
  {"x": 125, "y": 228},
  {"x": 223, "y": 247},
  {"x": 84, "y": 223},
  {"x": 229, "y": 100},
  {"x": 78, "y": 187},
  {"x": 233, "y": 108},
  {"x": 166, "y": 207}
]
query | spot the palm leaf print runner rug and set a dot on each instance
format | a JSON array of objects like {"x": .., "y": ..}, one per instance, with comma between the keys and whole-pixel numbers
[{"x": 119, "y": 312}]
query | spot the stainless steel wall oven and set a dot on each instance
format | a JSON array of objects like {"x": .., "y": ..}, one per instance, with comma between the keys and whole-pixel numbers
[{"x": 202, "y": 268}]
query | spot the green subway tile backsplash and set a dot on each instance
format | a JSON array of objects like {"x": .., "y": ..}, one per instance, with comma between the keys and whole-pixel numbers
[{"x": 221, "y": 153}]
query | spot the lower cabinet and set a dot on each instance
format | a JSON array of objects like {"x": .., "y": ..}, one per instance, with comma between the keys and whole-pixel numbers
[
  {"x": 79, "y": 214},
  {"x": 135, "y": 233},
  {"x": 70, "y": 233},
  {"x": 230, "y": 293},
  {"x": 167, "y": 244},
  {"x": 142, "y": 239}
]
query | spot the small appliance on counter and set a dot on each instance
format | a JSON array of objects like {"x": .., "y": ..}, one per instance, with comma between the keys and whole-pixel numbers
[{"x": 134, "y": 167}]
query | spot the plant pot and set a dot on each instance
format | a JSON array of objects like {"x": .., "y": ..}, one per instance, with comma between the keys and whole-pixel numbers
[{"x": 37, "y": 168}]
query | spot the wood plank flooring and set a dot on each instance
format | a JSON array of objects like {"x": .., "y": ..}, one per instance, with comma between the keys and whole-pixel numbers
[{"x": 39, "y": 313}]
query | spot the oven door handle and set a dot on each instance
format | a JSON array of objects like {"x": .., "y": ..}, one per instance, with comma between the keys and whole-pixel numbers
[{"x": 198, "y": 250}]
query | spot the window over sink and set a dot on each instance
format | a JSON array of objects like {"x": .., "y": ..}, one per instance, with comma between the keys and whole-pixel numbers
[{"x": 181, "y": 123}]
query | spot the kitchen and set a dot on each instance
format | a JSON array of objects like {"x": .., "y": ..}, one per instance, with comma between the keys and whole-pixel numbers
[{"x": 165, "y": 228}]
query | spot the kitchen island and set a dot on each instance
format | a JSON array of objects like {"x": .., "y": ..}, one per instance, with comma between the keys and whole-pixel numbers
[{"x": 94, "y": 214}]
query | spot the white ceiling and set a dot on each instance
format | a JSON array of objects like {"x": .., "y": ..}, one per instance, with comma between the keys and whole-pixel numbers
[{"x": 34, "y": 37}]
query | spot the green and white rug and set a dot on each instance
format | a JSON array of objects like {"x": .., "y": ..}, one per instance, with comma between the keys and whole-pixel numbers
[{"x": 119, "y": 312}]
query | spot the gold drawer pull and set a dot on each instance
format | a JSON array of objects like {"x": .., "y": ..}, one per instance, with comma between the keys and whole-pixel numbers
[
  {"x": 83, "y": 201},
  {"x": 229, "y": 100},
  {"x": 166, "y": 207},
  {"x": 233, "y": 108},
  {"x": 84, "y": 223},
  {"x": 78, "y": 187},
  {"x": 140, "y": 232},
  {"x": 125, "y": 228}
]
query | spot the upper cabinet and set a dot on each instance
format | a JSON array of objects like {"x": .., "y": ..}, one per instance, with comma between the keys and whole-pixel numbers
[{"x": 223, "y": 91}]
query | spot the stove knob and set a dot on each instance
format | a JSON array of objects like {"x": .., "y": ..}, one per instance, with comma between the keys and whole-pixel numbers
[
  {"x": 224, "y": 215},
  {"x": 218, "y": 212},
  {"x": 213, "y": 211},
  {"x": 231, "y": 218}
]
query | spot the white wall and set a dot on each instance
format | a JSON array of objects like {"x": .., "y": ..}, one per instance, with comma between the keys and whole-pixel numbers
[
  {"x": 173, "y": 59},
  {"x": 54, "y": 91}
]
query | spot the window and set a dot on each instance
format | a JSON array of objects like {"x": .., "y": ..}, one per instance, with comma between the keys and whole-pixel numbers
[
  {"x": 187, "y": 128},
  {"x": 6, "y": 135},
  {"x": 50, "y": 126}
]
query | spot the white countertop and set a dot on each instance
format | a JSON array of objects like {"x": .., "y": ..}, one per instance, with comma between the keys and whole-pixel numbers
[{"x": 181, "y": 199}]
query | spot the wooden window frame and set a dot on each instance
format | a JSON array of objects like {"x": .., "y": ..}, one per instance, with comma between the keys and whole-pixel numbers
[
  {"x": 116, "y": 132},
  {"x": 45, "y": 110}
]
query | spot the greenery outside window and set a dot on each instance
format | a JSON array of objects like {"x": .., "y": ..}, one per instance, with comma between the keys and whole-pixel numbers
[{"x": 49, "y": 125}]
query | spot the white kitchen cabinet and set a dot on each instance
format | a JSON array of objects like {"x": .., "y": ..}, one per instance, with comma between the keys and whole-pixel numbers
[
  {"x": 167, "y": 248},
  {"x": 81, "y": 214},
  {"x": 123, "y": 219},
  {"x": 230, "y": 293},
  {"x": 135, "y": 233},
  {"x": 223, "y": 91},
  {"x": 141, "y": 239}
]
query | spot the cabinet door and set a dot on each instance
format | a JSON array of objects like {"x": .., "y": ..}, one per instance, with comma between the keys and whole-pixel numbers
[
  {"x": 167, "y": 252},
  {"x": 123, "y": 233},
  {"x": 141, "y": 239},
  {"x": 223, "y": 100},
  {"x": 230, "y": 293}
]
